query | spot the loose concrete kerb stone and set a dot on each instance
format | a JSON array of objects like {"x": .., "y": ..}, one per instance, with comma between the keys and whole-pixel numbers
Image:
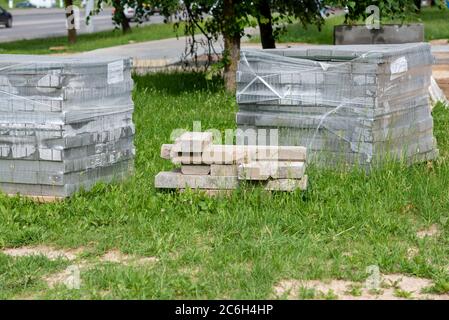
[
  {"x": 195, "y": 169},
  {"x": 226, "y": 170},
  {"x": 186, "y": 158},
  {"x": 263, "y": 170},
  {"x": 176, "y": 180},
  {"x": 287, "y": 184},
  {"x": 280, "y": 153},
  {"x": 227, "y": 154},
  {"x": 166, "y": 151},
  {"x": 193, "y": 142}
]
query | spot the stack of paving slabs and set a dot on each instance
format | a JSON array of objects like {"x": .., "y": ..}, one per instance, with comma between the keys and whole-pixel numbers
[
  {"x": 217, "y": 168},
  {"x": 65, "y": 123},
  {"x": 356, "y": 105}
]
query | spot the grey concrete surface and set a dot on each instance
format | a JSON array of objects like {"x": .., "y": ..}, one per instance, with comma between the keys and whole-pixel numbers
[
  {"x": 167, "y": 51},
  {"x": 359, "y": 34}
]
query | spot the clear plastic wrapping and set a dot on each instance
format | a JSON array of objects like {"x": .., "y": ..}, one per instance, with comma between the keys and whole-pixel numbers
[
  {"x": 65, "y": 123},
  {"x": 356, "y": 104}
]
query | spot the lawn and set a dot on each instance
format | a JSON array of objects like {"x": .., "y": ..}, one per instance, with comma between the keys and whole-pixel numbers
[
  {"x": 236, "y": 247},
  {"x": 436, "y": 25},
  {"x": 87, "y": 42}
]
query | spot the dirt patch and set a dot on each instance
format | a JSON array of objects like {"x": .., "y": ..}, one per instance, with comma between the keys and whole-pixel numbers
[
  {"x": 46, "y": 251},
  {"x": 115, "y": 256},
  {"x": 393, "y": 287},
  {"x": 191, "y": 272},
  {"x": 412, "y": 252},
  {"x": 432, "y": 231},
  {"x": 71, "y": 276},
  {"x": 438, "y": 42}
]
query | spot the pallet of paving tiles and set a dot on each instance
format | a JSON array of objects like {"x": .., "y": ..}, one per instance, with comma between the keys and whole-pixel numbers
[
  {"x": 365, "y": 99},
  {"x": 65, "y": 124}
]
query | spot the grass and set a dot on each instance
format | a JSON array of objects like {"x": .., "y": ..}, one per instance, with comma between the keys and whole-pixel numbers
[
  {"x": 435, "y": 21},
  {"x": 237, "y": 247},
  {"x": 87, "y": 42},
  {"x": 403, "y": 294},
  {"x": 24, "y": 275}
]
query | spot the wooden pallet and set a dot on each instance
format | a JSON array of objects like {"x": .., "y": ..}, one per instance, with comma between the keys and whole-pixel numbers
[
  {"x": 441, "y": 73},
  {"x": 39, "y": 199}
]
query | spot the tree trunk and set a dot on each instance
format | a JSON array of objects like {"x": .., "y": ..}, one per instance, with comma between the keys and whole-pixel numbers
[
  {"x": 126, "y": 27},
  {"x": 70, "y": 16},
  {"x": 265, "y": 20},
  {"x": 231, "y": 45},
  {"x": 232, "y": 56},
  {"x": 418, "y": 5},
  {"x": 120, "y": 16}
]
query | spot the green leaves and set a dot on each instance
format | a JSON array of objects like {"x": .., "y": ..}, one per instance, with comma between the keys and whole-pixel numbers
[
  {"x": 389, "y": 9},
  {"x": 351, "y": 5}
]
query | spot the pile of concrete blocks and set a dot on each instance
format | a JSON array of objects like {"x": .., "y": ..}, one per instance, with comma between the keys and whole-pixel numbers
[
  {"x": 65, "y": 124},
  {"x": 216, "y": 168},
  {"x": 351, "y": 105}
]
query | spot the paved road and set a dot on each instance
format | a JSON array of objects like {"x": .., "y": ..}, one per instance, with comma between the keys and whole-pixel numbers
[{"x": 41, "y": 23}]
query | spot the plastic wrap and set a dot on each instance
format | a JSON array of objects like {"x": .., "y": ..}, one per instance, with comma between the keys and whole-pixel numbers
[
  {"x": 355, "y": 104},
  {"x": 65, "y": 123}
]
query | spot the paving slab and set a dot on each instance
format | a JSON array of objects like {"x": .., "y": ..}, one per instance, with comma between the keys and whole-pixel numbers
[
  {"x": 176, "y": 180},
  {"x": 282, "y": 153},
  {"x": 195, "y": 169},
  {"x": 166, "y": 151},
  {"x": 264, "y": 170},
  {"x": 287, "y": 184},
  {"x": 225, "y": 170},
  {"x": 186, "y": 158},
  {"x": 193, "y": 142},
  {"x": 226, "y": 154}
]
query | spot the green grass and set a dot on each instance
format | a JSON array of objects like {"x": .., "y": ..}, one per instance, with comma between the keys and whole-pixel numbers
[
  {"x": 403, "y": 294},
  {"x": 92, "y": 41},
  {"x": 24, "y": 275},
  {"x": 237, "y": 247},
  {"x": 5, "y": 4},
  {"x": 436, "y": 25}
]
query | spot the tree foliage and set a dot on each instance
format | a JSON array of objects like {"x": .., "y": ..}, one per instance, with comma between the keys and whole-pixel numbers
[
  {"x": 229, "y": 18},
  {"x": 388, "y": 9},
  {"x": 119, "y": 18}
]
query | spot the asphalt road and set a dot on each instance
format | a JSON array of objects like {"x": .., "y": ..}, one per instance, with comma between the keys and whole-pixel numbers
[{"x": 42, "y": 23}]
